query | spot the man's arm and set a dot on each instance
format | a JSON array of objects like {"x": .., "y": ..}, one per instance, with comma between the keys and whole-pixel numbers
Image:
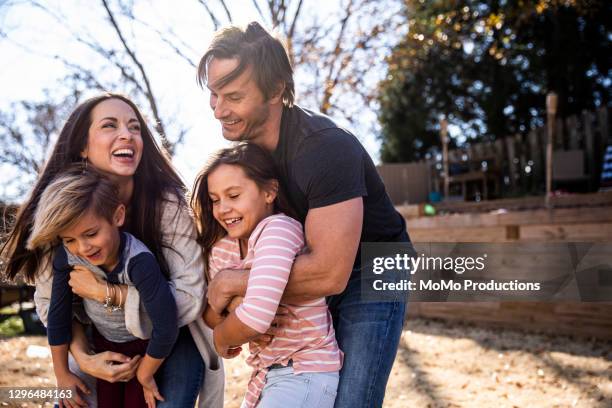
[{"x": 332, "y": 234}]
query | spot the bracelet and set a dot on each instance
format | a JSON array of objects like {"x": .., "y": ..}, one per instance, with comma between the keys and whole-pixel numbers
[
  {"x": 118, "y": 307},
  {"x": 108, "y": 300}
]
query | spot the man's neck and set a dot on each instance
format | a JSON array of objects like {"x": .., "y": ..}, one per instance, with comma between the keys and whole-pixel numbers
[{"x": 271, "y": 130}]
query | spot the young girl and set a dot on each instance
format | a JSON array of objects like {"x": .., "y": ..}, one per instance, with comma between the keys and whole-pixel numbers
[
  {"x": 238, "y": 207},
  {"x": 79, "y": 216}
]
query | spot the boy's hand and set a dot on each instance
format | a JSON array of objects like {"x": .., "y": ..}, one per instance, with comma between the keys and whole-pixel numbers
[
  {"x": 151, "y": 393},
  {"x": 74, "y": 383}
]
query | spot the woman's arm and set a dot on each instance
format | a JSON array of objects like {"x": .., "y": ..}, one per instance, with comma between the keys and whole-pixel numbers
[
  {"x": 108, "y": 365},
  {"x": 186, "y": 263}
]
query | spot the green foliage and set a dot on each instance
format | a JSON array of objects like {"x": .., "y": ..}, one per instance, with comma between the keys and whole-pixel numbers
[
  {"x": 487, "y": 66},
  {"x": 11, "y": 327}
]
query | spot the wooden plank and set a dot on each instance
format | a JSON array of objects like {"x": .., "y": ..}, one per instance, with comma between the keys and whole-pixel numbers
[
  {"x": 588, "y": 232},
  {"x": 569, "y": 200},
  {"x": 411, "y": 211},
  {"x": 571, "y": 124},
  {"x": 484, "y": 234},
  {"x": 602, "y": 124},
  {"x": 575, "y": 318},
  {"x": 511, "y": 161},
  {"x": 559, "y": 142},
  {"x": 535, "y": 155},
  {"x": 531, "y": 217},
  {"x": 589, "y": 145}
]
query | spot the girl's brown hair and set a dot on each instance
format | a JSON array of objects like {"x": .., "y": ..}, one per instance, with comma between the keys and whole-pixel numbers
[
  {"x": 257, "y": 165},
  {"x": 155, "y": 181}
]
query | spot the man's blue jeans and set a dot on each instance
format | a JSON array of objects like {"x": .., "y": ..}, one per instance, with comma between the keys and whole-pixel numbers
[
  {"x": 181, "y": 375},
  {"x": 368, "y": 333}
]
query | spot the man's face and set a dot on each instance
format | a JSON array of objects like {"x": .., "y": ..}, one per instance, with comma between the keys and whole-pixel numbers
[{"x": 240, "y": 106}]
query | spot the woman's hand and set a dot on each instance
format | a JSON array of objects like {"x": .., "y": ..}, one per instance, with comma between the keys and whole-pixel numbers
[
  {"x": 87, "y": 285},
  {"x": 109, "y": 366}
]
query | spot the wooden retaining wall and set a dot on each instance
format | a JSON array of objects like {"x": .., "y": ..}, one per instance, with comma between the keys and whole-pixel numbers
[{"x": 590, "y": 222}]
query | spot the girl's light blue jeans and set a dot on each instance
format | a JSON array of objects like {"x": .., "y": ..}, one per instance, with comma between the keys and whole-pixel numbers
[{"x": 285, "y": 389}]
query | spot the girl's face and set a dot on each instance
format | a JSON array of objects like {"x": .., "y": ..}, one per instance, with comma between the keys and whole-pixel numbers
[
  {"x": 114, "y": 144},
  {"x": 95, "y": 239},
  {"x": 237, "y": 201}
]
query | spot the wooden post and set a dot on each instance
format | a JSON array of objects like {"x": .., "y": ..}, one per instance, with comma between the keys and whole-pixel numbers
[
  {"x": 589, "y": 145},
  {"x": 444, "y": 137},
  {"x": 602, "y": 120},
  {"x": 536, "y": 158},
  {"x": 511, "y": 164},
  {"x": 571, "y": 124},
  {"x": 551, "y": 111}
]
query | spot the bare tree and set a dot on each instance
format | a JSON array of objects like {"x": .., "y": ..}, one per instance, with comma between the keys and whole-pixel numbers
[
  {"x": 123, "y": 57},
  {"x": 337, "y": 56},
  {"x": 338, "y": 52},
  {"x": 27, "y": 131}
]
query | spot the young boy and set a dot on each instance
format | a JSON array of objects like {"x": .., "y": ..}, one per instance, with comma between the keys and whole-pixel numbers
[{"x": 80, "y": 215}]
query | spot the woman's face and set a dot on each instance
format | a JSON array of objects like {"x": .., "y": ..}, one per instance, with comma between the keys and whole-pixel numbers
[{"x": 114, "y": 144}]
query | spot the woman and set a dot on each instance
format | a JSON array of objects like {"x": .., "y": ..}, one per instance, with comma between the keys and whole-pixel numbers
[{"x": 109, "y": 133}]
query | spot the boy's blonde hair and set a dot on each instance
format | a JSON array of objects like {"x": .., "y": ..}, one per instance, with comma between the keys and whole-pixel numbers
[{"x": 70, "y": 195}]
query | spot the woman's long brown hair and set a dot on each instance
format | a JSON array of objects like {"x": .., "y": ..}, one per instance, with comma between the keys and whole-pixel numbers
[
  {"x": 258, "y": 166},
  {"x": 155, "y": 181}
]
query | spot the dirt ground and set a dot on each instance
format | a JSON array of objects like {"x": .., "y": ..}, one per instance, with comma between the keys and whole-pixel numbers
[{"x": 438, "y": 365}]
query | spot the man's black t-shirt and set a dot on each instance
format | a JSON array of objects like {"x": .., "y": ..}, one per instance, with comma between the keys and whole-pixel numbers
[{"x": 321, "y": 164}]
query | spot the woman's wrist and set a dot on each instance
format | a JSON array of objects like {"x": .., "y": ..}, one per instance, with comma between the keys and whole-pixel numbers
[{"x": 101, "y": 291}]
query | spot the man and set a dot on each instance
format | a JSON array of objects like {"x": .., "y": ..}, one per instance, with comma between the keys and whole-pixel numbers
[{"x": 335, "y": 190}]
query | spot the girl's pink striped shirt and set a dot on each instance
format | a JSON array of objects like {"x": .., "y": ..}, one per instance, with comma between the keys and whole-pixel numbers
[{"x": 271, "y": 251}]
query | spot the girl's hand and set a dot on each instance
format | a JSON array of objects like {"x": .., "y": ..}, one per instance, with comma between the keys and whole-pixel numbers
[
  {"x": 87, "y": 285},
  {"x": 236, "y": 301},
  {"x": 151, "y": 392},
  {"x": 226, "y": 351},
  {"x": 224, "y": 286},
  {"x": 284, "y": 320},
  {"x": 74, "y": 383}
]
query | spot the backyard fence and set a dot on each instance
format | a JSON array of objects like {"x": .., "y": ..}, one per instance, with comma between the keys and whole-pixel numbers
[{"x": 513, "y": 166}]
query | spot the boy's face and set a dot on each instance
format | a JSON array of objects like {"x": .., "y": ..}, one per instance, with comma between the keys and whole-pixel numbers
[
  {"x": 95, "y": 239},
  {"x": 240, "y": 105}
]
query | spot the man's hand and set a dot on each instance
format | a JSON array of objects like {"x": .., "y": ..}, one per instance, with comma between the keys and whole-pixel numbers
[
  {"x": 87, "y": 285},
  {"x": 70, "y": 381},
  {"x": 224, "y": 286}
]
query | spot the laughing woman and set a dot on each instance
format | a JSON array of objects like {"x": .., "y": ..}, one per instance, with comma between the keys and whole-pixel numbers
[{"x": 108, "y": 133}]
